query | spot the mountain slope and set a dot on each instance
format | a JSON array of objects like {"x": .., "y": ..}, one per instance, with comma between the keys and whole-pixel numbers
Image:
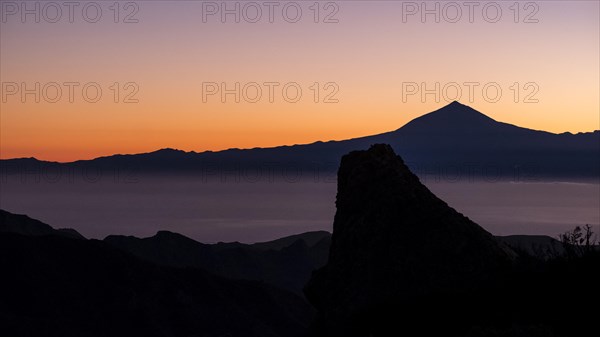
[
  {"x": 459, "y": 136},
  {"x": 286, "y": 263},
  {"x": 57, "y": 283},
  {"x": 455, "y": 137},
  {"x": 55, "y": 286},
  {"x": 310, "y": 238},
  {"x": 22, "y": 224},
  {"x": 539, "y": 246}
]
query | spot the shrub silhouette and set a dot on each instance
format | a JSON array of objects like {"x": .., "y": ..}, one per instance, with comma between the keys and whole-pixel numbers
[{"x": 579, "y": 242}]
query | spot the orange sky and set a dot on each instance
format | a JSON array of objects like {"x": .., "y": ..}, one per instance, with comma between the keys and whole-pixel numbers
[{"x": 368, "y": 54}]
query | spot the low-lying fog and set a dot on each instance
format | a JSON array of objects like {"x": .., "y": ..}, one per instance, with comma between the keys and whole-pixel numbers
[{"x": 229, "y": 210}]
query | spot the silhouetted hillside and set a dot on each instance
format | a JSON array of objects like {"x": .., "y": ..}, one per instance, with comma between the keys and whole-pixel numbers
[
  {"x": 455, "y": 140},
  {"x": 540, "y": 246},
  {"x": 286, "y": 262},
  {"x": 57, "y": 286},
  {"x": 310, "y": 238},
  {"x": 22, "y": 224}
]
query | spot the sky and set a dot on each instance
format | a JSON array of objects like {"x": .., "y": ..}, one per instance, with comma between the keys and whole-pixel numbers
[{"x": 361, "y": 68}]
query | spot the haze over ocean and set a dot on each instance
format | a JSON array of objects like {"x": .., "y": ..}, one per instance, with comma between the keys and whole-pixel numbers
[{"x": 252, "y": 212}]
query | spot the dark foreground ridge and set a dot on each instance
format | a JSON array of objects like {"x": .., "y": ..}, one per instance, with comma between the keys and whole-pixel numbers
[
  {"x": 403, "y": 262},
  {"x": 22, "y": 224},
  {"x": 286, "y": 263},
  {"x": 55, "y": 285}
]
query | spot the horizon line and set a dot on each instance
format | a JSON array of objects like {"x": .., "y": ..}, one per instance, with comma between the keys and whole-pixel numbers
[{"x": 284, "y": 145}]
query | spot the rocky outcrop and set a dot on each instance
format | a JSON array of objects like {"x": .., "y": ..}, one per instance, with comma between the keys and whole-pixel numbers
[{"x": 393, "y": 242}]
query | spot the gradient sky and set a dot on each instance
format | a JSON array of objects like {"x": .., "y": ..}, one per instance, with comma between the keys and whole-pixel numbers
[{"x": 369, "y": 53}]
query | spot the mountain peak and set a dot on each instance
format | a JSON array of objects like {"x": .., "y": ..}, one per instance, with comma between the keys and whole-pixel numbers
[
  {"x": 457, "y": 107},
  {"x": 455, "y": 117},
  {"x": 456, "y": 104}
]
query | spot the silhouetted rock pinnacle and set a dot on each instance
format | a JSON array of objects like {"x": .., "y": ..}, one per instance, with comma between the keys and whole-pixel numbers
[{"x": 393, "y": 240}]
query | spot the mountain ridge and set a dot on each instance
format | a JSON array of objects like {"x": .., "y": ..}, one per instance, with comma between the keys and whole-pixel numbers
[
  {"x": 455, "y": 108},
  {"x": 60, "y": 286}
]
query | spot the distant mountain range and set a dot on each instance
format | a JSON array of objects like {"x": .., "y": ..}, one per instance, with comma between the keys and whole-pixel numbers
[{"x": 455, "y": 141}]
